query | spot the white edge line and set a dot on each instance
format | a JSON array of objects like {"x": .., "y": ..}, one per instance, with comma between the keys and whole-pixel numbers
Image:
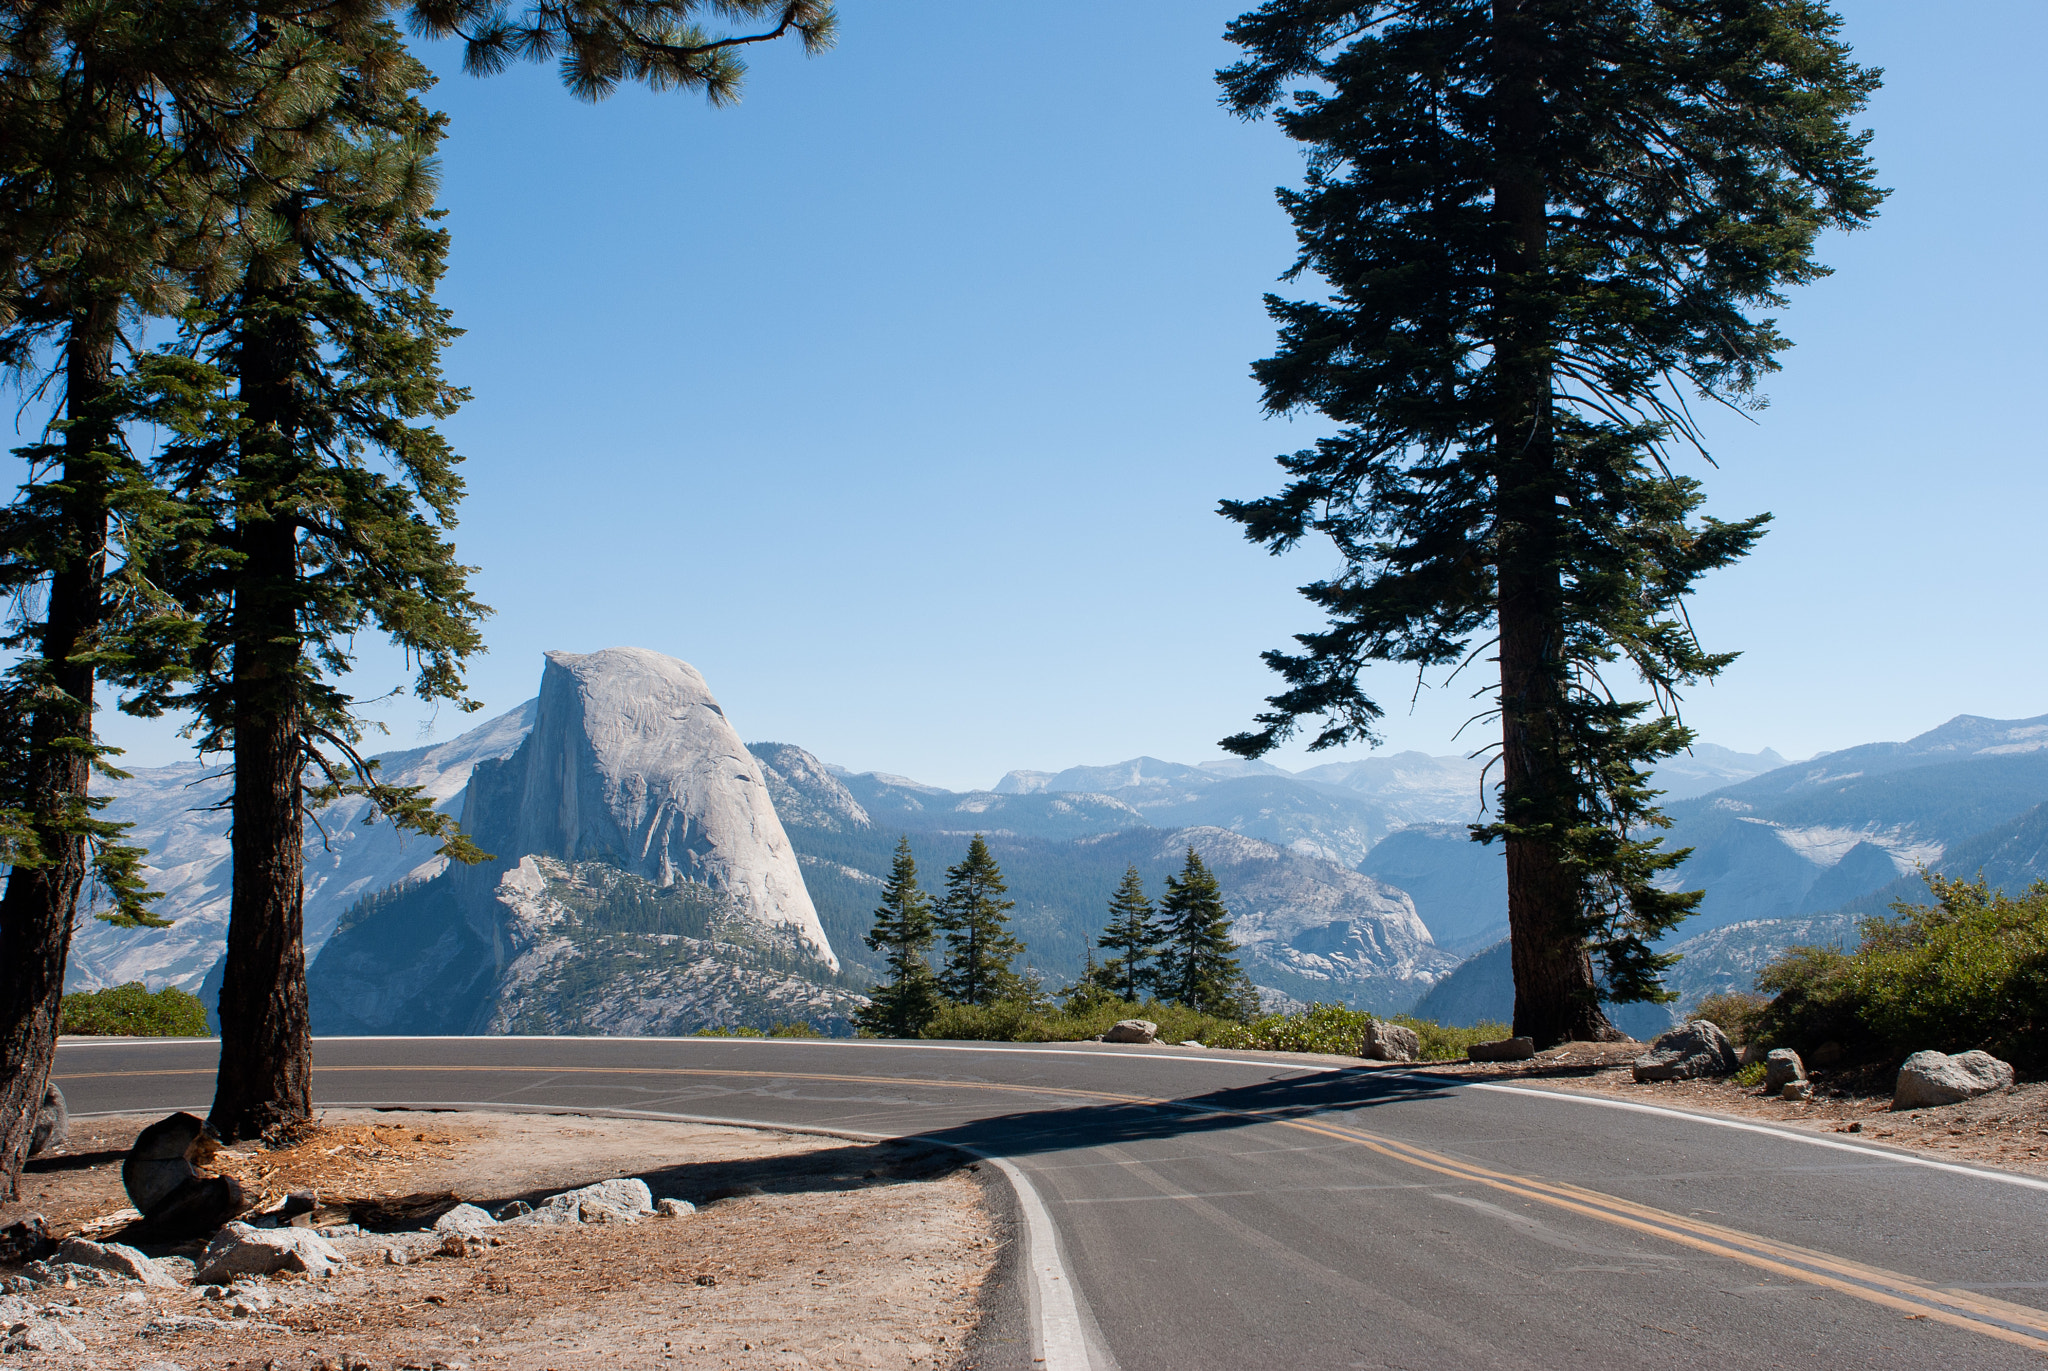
[
  {"x": 1881, "y": 1154},
  {"x": 1056, "y": 1319}
]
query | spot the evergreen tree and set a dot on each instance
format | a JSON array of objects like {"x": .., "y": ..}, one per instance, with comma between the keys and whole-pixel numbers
[
  {"x": 1197, "y": 966},
  {"x": 1533, "y": 225},
  {"x": 102, "y": 205},
  {"x": 1133, "y": 938},
  {"x": 904, "y": 930},
  {"x": 976, "y": 922}
]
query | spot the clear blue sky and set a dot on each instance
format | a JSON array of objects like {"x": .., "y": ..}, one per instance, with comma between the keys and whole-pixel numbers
[{"x": 898, "y": 398}]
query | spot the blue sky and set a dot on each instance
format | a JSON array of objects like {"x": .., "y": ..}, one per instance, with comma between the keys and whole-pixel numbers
[{"x": 898, "y": 398}]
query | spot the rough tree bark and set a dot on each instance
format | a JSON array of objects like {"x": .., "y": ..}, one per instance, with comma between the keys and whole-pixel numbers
[
  {"x": 1556, "y": 997},
  {"x": 265, "y": 1079},
  {"x": 40, "y": 902}
]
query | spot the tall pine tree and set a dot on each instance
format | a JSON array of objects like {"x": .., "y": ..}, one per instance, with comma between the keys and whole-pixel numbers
[
  {"x": 1534, "y": 226},
  {"x": 104, "y": 208},
  {"x": 1197, "y": 964},
  {"x": 1132, "y": 937},
  {"x": 903, "y": 929},
  {"x": 976, "y": 922}
]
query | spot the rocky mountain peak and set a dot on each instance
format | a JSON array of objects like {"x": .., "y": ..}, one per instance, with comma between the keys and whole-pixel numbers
[{"x": 631, "y": 760}]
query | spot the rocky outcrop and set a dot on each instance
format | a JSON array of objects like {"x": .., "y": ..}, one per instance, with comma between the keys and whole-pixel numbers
[
  {"x": 1700, "y": 1048},
  {"x": 631, "y": 760},
  {"x": 1934, "y": 1078}
]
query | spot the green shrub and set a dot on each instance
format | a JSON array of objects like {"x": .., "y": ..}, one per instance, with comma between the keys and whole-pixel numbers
[
  {"x": 1734, "y": 1013},
  {"x": 800, "y": 1028},
  {"x": 1750, "y": 1075},
  {"x": 1969, "y": 971},
  {"x": 132, "y": 1011},
  {"x": 1319, "y": 1028},
  {"x": 1023, "y": 1021},
  {"x": 740, "y": 1032}
]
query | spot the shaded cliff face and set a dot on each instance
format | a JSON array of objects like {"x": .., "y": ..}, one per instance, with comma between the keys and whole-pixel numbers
[{"x": 632, "y": 761}]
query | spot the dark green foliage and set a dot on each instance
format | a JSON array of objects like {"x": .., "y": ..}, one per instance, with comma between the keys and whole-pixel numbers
[
  {"x": 903, "y": 930},
  {"x": 132, "y": 1011},
  {"x": 1735, "y": 1014},
  {"x": 976, "y": 921},
  {"x": 1133, "y": 936},
  {"x": 1197, "y": 967},
  {"x": 1969, "y": 971},
  {"x": 1534, "y": 227}
]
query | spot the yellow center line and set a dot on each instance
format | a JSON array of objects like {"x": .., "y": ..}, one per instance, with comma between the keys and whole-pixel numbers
[{"x": 1916, "y": 1298}]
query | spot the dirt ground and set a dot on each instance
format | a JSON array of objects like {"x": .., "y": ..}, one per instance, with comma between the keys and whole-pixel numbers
[
  {"x": 805, "y": 1252},
  {"x": 2008, "y": 1130}
]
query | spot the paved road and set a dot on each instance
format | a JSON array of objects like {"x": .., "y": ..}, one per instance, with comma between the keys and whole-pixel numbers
[{"x": 1216, "y": 1211}]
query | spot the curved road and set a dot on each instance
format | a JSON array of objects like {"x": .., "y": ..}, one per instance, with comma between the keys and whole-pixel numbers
[{"x": 1188, "y": 1210}]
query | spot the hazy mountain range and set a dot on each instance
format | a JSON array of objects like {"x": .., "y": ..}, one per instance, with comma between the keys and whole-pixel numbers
[{"x": 1352, "y": 881}]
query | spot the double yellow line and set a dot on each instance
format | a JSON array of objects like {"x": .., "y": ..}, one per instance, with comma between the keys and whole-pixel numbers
[{"x": 1911, "y": 1297}]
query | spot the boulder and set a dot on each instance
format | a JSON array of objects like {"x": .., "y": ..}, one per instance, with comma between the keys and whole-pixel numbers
[
  {"x": 240, "y": 1250},
  {"x": 1502, "y": 1050},
  {"x": 1133, "y": 1031},
  {"x": 116, "y": 1257},
  {"x": 38, "y": 1335},
  {"x": 1699, "y": 1048},
  {"x": 1796, "y": 1090},
  {"x": 464, "y": 1218},
  {"x": 606, "y": 1202},
  {"x": 1781, "y": 1068},
  {"x": 1192, "y": 1042},
  {"x": 53, "y": 1124},
  {"x": 1389, "y": 1042},
  {"x": 674, "y": 1209},
  {"x": 1935, "y": 1078},
  {"x": 175, "y": 1198}
]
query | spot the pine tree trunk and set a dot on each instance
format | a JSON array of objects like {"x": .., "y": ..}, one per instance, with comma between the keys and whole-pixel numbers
[
  {"x": 37, "y": 911},
  {"x": 266, "y": 1049},
  {"x": 1555, "y": 994}
]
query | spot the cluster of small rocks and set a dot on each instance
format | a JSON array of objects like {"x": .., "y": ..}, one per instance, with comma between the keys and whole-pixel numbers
[
  {"x": 299, "y": 1241},
  {"x": 1925, "y": 1080}
]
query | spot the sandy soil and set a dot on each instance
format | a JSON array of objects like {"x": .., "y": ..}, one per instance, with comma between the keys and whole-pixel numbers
[
  {"x": 805, "y": 1252},
  {"x": 2008, "y": 1130}
]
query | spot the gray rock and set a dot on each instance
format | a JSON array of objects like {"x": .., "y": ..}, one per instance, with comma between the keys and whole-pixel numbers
[
  {"x": 1390, "y": 1042},
  {"x": 464, "y": 1218},
  {"x": 1934, "y": 1078},
  {"x": 617, "y": 1201},
  {"x": 1192, "y": 1042},
  {"x": 630, "y": 753},
  {"x": 674, "y": 1209},
  {"x": 240, "y": 1250},
  {"x": 1502, "y": 1050},
  {"x": 1781, "y": 1068},
  {"x": 513, "y": 1210},
  {"x": 1801, "y": 1089},
  {"x": 175, "y": 1200},
  {"x": 116, "y": 1257},
  {"x": 160, "y": 1366},
  {"x": 53, "y": 1123},
  {"x": 1133, "y": 1031},
  {"x": 38, "y": 1335},
  {"x": 1699, "y": 1048}
]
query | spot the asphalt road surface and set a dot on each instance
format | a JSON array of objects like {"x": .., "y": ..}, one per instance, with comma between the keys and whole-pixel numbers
[{"x": 1186, "y": 1210}]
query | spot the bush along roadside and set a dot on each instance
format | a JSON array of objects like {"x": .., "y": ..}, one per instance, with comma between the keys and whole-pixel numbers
[
  {"x": 131, "y": 1010},
  {"x": 1967, "y": 972}
]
